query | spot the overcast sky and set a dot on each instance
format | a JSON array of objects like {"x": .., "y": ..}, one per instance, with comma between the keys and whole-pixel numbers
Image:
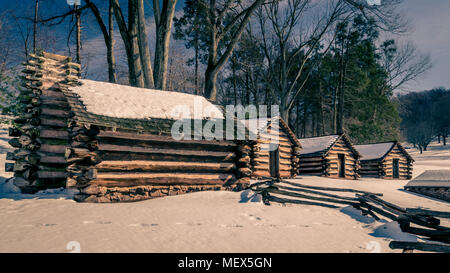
[{"x": 430, "y": 32}]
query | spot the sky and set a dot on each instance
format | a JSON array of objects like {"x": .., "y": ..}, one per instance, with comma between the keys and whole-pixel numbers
[{"x": 429, "y": 32}]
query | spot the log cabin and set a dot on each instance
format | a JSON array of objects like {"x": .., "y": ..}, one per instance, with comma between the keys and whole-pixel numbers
[
  {"x": 271, "y": 150},
  {"x": 388, "y": 160},
  {"x": 332, "y": 156},
  {"x": 433, "y": 183},
  {"x": 111, "y": 142}
]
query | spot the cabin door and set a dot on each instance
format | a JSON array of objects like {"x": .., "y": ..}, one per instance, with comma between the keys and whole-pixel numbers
[
  {"x": 274, "y": 162},
  {"x": 341, "y": 165},
  {"x": 395, "y": 168}
]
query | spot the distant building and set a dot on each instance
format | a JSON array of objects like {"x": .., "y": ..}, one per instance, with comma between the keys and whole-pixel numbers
[
  {"x": 274, "y": 151},
  {"x": 388, "y": 160},
  {"x": 434, "y": 183},
  {"x": 331, "y": 156}
]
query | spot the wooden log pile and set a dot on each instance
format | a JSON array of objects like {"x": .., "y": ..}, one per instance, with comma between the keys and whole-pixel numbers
[
  {"x": 39, "y": 131},
  {"x": 82, "y": 156},
  {"x": 425, "y": 224},
  {"x": 245, "y": 161}
]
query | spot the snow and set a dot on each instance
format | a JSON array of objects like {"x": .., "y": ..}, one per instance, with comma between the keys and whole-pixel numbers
[
  {"x": 214, "y": 221},
  {"x": 373, "y": 151},
  {"x": 122, "y": 101},
  {"x": 316, "y": 144}
]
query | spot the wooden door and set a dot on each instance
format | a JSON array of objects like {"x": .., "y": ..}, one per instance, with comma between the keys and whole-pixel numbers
[
  {"x": 395, "y": 168},
  {"x": 341, "y": 165},
  {"x": 274, "y": 162}
]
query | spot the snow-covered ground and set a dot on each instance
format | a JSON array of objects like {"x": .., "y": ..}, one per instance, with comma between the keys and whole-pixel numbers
[{"x": 205, "y": 221}]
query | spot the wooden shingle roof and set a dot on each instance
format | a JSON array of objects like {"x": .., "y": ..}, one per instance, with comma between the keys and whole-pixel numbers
[
  {"x": 319, "y": 146},
  {"x": 378, "y": 151}
]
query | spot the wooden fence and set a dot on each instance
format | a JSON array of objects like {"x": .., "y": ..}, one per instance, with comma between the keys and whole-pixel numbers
[{"x": 425, "y": 224}]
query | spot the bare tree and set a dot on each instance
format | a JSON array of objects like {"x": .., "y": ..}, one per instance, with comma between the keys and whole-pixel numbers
[
  {"x": 288, "y": 49},
  {"x": 403, "y": 65},
  {"x": 226, "y": 22},
  {"x": 108, "y": 36},
  {"x": 130, "y": 39},
  {"x": 36, "y": 8},
  {"x": 143, "y": 47},
  {"x": 164, "y": 21},
  {"x": 78, "y": 33}
]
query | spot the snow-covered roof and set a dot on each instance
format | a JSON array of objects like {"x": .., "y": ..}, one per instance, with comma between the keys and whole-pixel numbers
[
  {"x": 317, "y": 145},
  {"x": 432, "y": 178},
  {"x": 256, "y": 126},
  {"x": 121, "y": 101},
  {"x": 374, "y": 151}
]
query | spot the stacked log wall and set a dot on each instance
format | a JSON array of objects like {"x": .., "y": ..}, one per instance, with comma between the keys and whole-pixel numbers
[
  {"x": 352, "y": 164},
  {"x": 41, "y": 130},
  {"x": 288, "y": 154},
  {"x": 326, "y": 164},
  {"x": 315, "y": 165},
  {"x": 373, "y": 168},
  {"x": 405, "y": 165},
  {"x": 125, "y": 166}
]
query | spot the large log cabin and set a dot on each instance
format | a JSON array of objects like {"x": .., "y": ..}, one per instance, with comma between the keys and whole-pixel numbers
[
  {"x": 111, "y": 142},
  {"x": 332, "y": 156},
  {"x": 272, "y": 150},
  {"x": 388, "y": 160}
]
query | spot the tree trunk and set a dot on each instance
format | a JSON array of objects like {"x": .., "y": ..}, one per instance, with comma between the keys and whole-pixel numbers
[
  {"x": 334, "y": 121},
  {"x": 78, "y": 34},
  {"x": 210, "y": 84},
  {"x": 108, "y": 36},
  {"x": 35, "y": 25},
  {"x": 138, "y": 79},
  {"x": 130, "y": 40},
  {"x": 163, "y": 20},
  {"x": 143, "y": 47},
  {"x": 197, "y": 49},
  {"x": 110, "y": 46}
]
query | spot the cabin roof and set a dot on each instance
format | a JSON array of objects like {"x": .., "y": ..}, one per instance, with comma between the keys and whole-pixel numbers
[
  {"x": 377, "y": 151},
  {"x": 374, "y": 151},
  {"x": 316, "y": 146},
  {"x": 121, "y": 101},
  {"x": 258, "y": 125},
  {"x": 431, "y": 178}
]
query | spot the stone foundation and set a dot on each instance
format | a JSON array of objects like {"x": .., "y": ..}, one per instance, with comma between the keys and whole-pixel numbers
[
  {"x": 97, "y": 194},
  {"x": 439, "y": 193}
]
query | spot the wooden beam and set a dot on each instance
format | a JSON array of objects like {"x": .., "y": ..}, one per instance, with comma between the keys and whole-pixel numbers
[
  {"x": 114, "y": 151},
  {"x": 136, "y": 179},
  {"x": 163, "y": 166}
]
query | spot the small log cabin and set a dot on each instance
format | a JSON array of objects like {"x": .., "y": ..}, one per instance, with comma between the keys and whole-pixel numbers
[
  {"x": 433, "y": 183},
  {"x": 272, "y": 151},
  {"x": 331, "y": 156},
  {"x": 388, "y": 160},
  {"x": 111, "y": 142}
]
